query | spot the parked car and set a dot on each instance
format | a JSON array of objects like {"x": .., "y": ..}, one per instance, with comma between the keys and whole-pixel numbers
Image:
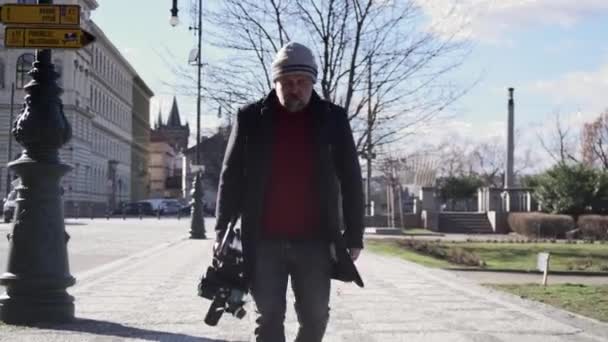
[
  {"x": 8, "y": 208},
  {"x": 207, "y": 211},
  {"x": 133, "y": 208},
  {"x": 165, "y": 206},
  {"x": 170, "y": 207}
]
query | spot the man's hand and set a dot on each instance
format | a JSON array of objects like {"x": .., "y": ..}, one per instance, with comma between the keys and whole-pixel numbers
[{"x": 354, "y": 253}]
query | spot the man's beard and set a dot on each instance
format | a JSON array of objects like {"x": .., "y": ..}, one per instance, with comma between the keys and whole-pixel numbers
[{"x": 294, "y": 104}]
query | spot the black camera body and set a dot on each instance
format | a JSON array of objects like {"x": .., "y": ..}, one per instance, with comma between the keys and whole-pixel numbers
[{"x": 224, "y": 282}]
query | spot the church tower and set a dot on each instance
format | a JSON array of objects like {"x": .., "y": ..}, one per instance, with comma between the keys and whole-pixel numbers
[{"x": 176, "y": 133}]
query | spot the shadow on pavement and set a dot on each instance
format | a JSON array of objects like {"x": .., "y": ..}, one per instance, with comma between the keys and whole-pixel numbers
[{"x": 105, "y": 328}]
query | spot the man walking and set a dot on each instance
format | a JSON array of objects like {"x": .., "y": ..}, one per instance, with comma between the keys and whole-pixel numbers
[{"x": 288, "y": 159}]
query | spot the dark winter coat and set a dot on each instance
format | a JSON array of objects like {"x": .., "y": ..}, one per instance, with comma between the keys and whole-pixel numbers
[{"x": 246, "y": 170}]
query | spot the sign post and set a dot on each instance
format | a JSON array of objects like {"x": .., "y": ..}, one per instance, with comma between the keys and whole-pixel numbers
[
  {"x": 542, "y": 264},
  {"x": 46, "y": 38},
  {"x": 43, "y": 27},
  {"x": 21, "y": 14}
]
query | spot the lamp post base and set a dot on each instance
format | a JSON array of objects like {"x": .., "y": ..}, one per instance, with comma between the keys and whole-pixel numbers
[
  {"x": 32, "y": 300},
  {"x": 38, "y": 270}
]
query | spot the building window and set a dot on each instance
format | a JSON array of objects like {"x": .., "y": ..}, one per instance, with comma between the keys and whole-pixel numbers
[
  {"x": 2, "y": 74},
  {"x": 24, "y": 65}
]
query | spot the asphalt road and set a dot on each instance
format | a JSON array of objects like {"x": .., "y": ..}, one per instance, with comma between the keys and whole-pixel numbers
[{"x": 97, "y": 242}]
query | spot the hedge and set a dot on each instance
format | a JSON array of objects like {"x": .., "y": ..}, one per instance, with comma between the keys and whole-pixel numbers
[
  {"x": 540, "y": 225},
  {"x": 593, "y": 226}
]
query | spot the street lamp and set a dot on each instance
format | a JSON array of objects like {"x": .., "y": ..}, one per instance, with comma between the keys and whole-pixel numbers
[
  {"x": 197, "y": 230},
  {"x": 174, "y": 21},
  {"x": 199, "y": 65}
]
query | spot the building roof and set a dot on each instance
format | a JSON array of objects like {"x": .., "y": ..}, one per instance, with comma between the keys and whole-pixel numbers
[
  {"x": 144, "y": 87},
  {"x": 174, "y": 119},
  {"x": 159, "y": 120}
]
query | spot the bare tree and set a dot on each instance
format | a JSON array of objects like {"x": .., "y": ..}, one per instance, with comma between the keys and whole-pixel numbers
[
  {"x": 489, "y": 162},
  {"x": 456, "y": 157},
  {"x": 484, "y": 159},
  {"x": 561, "y": 143},
  {"x": 595, "y": 142},
  {"x": 377, "y": 63},
  {"x": 376, "y": 60},
  {"x": 250, "y": 32}
]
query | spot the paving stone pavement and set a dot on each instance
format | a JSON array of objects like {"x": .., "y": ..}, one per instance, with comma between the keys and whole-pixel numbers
[{"x": 151, "y": 296}]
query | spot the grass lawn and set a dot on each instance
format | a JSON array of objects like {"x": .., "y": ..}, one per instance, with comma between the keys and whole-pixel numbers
[
  {"x": 590, "y": 301},
  {"x": 390, "y": 248},
  {"x": 512, "y": 256},
  {"x": 564, "y": 257}
]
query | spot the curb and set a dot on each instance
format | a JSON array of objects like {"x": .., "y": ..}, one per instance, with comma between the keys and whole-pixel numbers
[{"x": 564, "y": 273}]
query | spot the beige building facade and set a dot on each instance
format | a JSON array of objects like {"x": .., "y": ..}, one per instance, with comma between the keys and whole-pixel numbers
[{"x": 105, "y": 101}]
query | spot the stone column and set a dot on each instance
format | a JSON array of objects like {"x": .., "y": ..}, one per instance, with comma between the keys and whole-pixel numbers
[
  {"x": 482, "y": 200},
  {"x": 427, "y": 196},
  {"x": 429, "y": 214},
  {"x": 528, "y": 201},
  {"x": 509, "y": 181}
]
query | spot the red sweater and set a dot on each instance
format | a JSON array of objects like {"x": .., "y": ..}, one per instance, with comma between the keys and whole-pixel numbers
[{"x": 291, "y": 208}]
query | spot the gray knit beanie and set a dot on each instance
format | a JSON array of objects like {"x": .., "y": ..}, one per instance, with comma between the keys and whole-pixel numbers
[{"x": 294, "y": 58}]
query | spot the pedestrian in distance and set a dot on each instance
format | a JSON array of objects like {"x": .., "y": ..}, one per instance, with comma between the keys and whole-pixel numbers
[{"x": 289, "y": 169}]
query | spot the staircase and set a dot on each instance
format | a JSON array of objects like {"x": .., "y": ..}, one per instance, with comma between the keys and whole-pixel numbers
[{"x": 464, "y": 223}]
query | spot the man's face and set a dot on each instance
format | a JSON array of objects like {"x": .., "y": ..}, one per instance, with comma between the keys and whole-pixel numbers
[{"x": 294, "y": 91}]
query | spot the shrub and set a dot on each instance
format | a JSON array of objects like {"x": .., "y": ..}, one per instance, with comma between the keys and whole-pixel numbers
[
  {"x": 454, "y": 255},
  {"x": 458, "y": 187},
  {"x": 461, "y": 256},
  {"x": 535, "y": 225},
  {"x": 571, "y": 189},
  {"x": 593, "y": 227}
]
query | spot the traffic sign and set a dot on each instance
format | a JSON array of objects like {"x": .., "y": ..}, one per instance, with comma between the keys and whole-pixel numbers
[
  {"x": 46, "y": 38},
  {"x": 40, "y": 14}
]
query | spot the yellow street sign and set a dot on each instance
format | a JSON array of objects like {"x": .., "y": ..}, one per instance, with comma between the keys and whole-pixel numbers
[
  {"x": 46, "y": 38},
  {"x": 40, "y": 14}
]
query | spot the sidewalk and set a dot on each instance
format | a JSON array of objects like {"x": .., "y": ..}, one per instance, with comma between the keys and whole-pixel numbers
[{"x": 151, "y": 296}]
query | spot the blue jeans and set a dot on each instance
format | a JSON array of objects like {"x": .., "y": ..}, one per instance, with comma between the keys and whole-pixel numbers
[{"x": 308, "y": 264}]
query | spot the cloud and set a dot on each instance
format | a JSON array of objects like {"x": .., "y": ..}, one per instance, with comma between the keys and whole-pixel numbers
[
  {"x": 491, "y": 20},
  {"x": 584, "y": 91},
  {"x": 474, "y": 131}
]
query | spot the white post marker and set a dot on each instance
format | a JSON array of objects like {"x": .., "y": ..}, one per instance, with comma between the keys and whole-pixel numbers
[{"x": 542, "y": 264}]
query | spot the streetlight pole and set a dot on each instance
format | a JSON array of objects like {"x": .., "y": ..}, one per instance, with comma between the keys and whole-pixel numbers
[
  {"x": 38, "y": 272},
  {"x": 199, "y": 66},
  {"x": 368, "y": 146},
  {"x": 197, "y": 230},
  {"x": 197, "y": 223},
  {"x": 174, "y": 21}
]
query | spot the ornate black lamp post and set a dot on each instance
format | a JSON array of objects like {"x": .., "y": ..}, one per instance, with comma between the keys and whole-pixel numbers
[
  {"x": 38, "y": 271},
  {"x": 197, "y": 223}
]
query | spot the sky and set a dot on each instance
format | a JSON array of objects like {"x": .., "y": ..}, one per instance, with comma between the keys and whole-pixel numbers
[{"x": 552, "y": 52}]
